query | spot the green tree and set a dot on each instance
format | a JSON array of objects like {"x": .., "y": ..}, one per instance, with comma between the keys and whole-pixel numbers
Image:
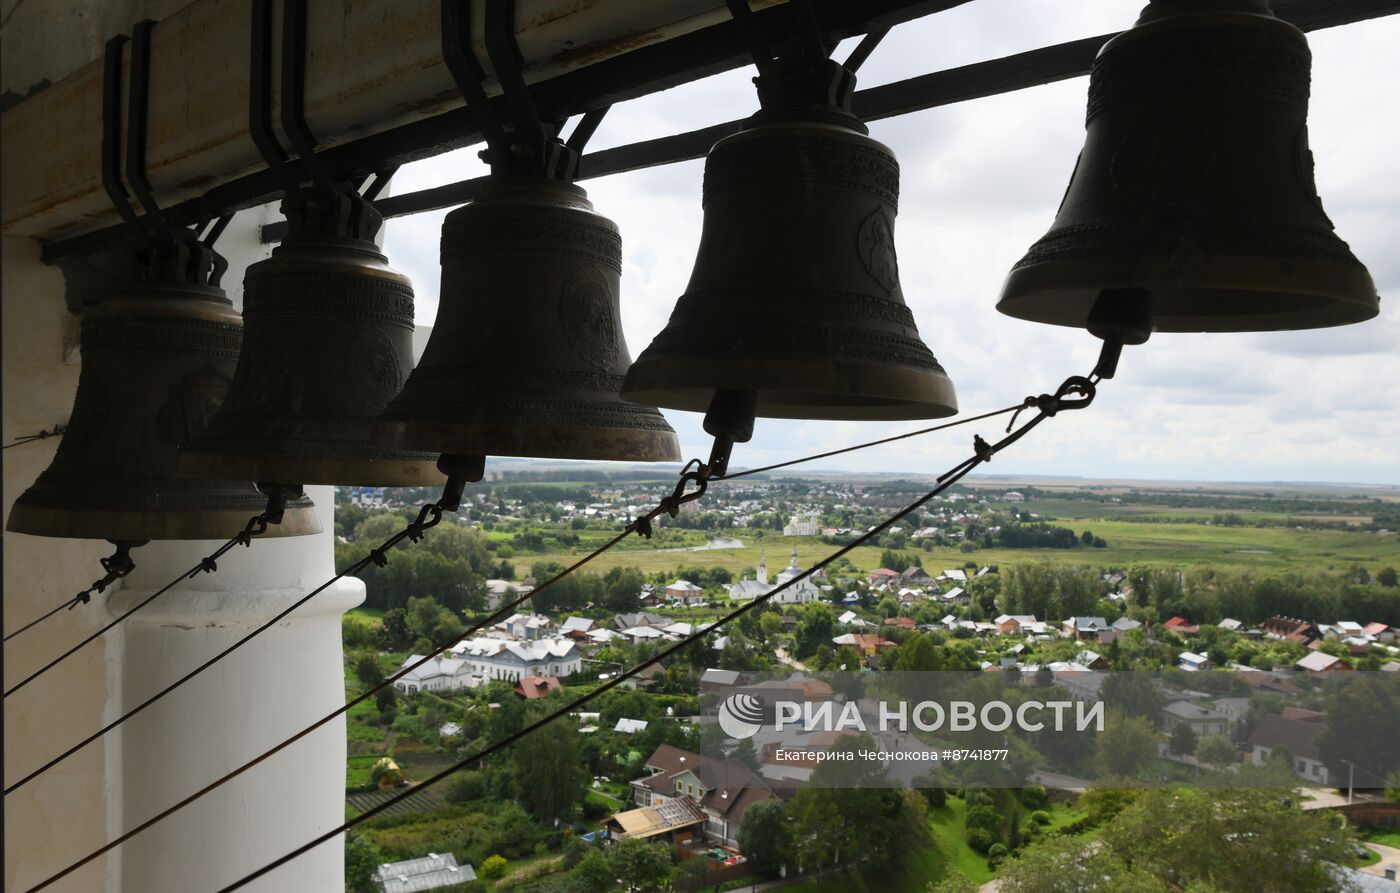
[
  {"x": 595, "y": 871},
  {"x": 1182, "y": 740},
  {"x": 548, "y": 771},
  {"x": 745, "y": 753},
  {"x": 1126, "y": 746},
  {"x": 396, "y": 631},
  {"x": 493, "y": 867},
  {"x": 953, "y": 883},
  {"x": 815, "y": 629},
  {"x": 1216, "y": 750},
  {"x": 641, "y": 864},
  {"x": 1231, "y": 839},
  {"x": 1076, "y": 865},
  {"x": 362, "y": 858},
  {"x": 1392, "y": 787},
  {"x": 368, "y": 670},
  {"x": 764, "y": 837},
  {"x": 918, "y": 654},
  {"x": 1387, "y": 577}
]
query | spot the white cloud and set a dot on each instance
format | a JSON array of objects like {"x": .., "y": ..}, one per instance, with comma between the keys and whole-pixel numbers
[{"x": 980, "y": 182}]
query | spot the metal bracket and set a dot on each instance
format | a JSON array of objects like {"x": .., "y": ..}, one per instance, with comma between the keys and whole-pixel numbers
[
  {"x": 523, "y": 144},
  {"x": 176, "y": 254}
]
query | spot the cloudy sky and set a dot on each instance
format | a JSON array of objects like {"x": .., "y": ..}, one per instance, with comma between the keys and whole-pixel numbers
[{"x": 980, "y": 182}]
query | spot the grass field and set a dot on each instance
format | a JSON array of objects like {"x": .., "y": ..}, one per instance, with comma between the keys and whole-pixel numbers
[
  {"x": 1385, "y": 838},
  {"x": 1129, "y": 543}
]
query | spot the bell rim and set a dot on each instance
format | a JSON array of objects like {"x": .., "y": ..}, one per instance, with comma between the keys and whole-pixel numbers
[
  {"x": 253, "y": 462},
  {"x": 154, "y": 525},
  {"x": 889, "y": 395},
  {"x": 584, "y": 442},
  {"x": 1329, "y": 294}
]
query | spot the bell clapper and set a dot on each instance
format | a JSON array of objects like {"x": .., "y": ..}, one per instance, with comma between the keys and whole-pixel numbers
[
  {"x": 460, "y": 470},
  {"x": 729, "y": 420},
  {"x": 1119, "y": 316},
  {"x": 116, "y": 565},
  {"x": 277, "y": 497}
]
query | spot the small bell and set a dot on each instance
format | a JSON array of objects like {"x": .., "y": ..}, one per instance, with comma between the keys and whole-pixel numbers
[
  {"x": 156, "y": 363},
  {"x": 527, "y": 355},
  {"x": 329, "y": 341},
  {"x": 1192, "y": 207},
  {"x": 795, "y": 293}
]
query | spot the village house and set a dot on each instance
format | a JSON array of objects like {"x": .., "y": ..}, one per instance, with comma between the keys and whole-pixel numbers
[
  {"x": 913, "y": 575},
  {"x": 1085, "y": 627},
  {"x": 723, "y": 789},
  {"x": 501, "y": 592},
  {"x": 492, "y": 659},
  {"x": 955, "y": 596},
  {"x": 1290, "y": 629},
  {"x": 641, "y": 618},
  {"x": 882, "y": 575},
  {"x": 577, "y": 628},
  {"x": 1321, "y": 662},
  {"x": 685, "y": 591},
  {"x": 1091, "y": 660},
  {"x": 1192, "y": 662},
  {"x": 439, "y": 674},
  {"x": 1014, "y": 624},
  {"x": 1181, "y": 626},
  {"x": 528, "y": 626},
  {"x": 864, "y": 643},
  {"x": 1300, "y": 739},
  {"x": 430, "y": 872},
  {"x": 715, "y": 679},
  {"x": 1203, "y": 721},
  {"x": 532, "y": 688}
]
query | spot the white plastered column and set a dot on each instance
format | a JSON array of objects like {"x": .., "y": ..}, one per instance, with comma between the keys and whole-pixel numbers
[{"x": 264, "y": 692}]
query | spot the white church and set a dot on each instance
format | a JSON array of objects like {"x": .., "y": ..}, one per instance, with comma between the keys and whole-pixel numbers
[{"x": 800, "y": 593}]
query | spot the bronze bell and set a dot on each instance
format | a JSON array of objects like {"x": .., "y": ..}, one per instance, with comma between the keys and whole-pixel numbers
[
  {"x": 795, "y": 291},
  {"x": 329, "y": 341},
  {"x": 156, "y": 364},
  {"x": 1194, "y": 190},
  {"x": 527, "y": 355}
]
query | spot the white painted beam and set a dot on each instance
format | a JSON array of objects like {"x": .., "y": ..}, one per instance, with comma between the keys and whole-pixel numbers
[{"x": 372, "y": 65}]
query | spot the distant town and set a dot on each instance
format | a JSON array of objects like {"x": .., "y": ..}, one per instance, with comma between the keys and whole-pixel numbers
[{"x": 1253, "y": 596}]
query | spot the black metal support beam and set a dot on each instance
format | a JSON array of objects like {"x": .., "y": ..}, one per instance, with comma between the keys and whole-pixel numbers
[
  {"x": 684, "y": 59},
  {"x": 1032, "y": 68},
  {"x": 637, "y": 73}
]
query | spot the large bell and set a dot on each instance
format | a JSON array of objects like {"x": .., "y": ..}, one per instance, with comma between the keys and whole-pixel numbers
[
  {"x": 1195, "y": 187},
  {"x": 329, "y": 341},
  {"x": 527, "y": 355},
  {"x": 795, "y": 291},
  {"x": 156, "y": 363}
]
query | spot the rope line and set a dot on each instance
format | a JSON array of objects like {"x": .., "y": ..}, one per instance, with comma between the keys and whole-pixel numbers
[
  {"x": 55, "y": 431},
  {"x": 256, "y": 525},
  {"x": 669, "y": 504},
  {"x": 872, "y": 443},
  {"x": 983, "y": 453},
  {"x": 413, "y": 530},
  {"x": 692, "y": 473}
]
